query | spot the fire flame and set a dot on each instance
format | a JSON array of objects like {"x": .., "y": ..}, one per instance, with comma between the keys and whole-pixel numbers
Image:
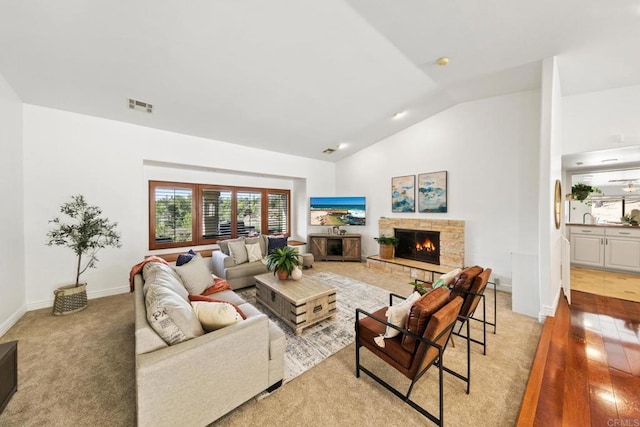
[{"x": 426, "y": 246}]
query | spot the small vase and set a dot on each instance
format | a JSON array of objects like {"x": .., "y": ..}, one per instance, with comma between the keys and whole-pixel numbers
[
  {"x": 296, "y": 274},
  {"x": 282, "y": 275}
]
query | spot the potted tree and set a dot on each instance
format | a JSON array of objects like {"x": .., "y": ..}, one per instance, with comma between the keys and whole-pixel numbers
[
  {"x": 282, "y": 261},
  {"x": 386, "y": 245},
  {"x": 85, "y": 234}
]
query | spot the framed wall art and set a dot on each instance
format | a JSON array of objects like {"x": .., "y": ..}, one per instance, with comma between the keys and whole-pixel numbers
[
  {"x": 403, "y": 193},
  {"x": 432, "y": 192}
]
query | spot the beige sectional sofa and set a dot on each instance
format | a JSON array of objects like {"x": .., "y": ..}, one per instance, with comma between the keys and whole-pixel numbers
[
  {"x": 198, "y": 380},
  {"x": 235, "y": 266}
]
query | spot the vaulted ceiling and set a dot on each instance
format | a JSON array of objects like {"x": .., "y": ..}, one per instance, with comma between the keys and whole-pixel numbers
[{"x": 302, "y": 76}]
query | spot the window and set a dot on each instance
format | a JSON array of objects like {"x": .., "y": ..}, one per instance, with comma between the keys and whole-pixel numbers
[
  {"x": 182, "y": 214},
  {"x": 171, "y": 213}
]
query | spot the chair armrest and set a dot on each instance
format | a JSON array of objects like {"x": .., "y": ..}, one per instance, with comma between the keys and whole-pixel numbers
[
  {"x": 219, "y": 262},
  {"x": 405, "y": 331}
]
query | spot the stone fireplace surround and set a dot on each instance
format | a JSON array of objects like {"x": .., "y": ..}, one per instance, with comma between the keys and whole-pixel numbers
[{"x": 451, "y": 247}]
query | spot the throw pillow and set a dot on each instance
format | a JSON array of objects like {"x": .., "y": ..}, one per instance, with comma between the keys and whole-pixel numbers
[
  {"x": 421, "y": 312},
  {"x": 447, "y": 278},
  {"x": 209, "y": 299},
  {"x": 261, "y": 240},
  {"x": 397, "y": 315},
  {"x": 195, "y": 275},
  {"x": 185, "y": 258},
  {"x": 224, "y": 244},
  {"x": 253, "y": 252},
  {"x": 275, "y": 243},
  {"x": 238, "y": 252},
  {"x": 215, "y": 315},
  {"x": 438, "y": 284},
  {"x": 171, "y": 316}
]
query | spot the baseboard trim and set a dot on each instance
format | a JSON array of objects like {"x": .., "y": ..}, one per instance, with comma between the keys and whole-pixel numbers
[
  {"x": 90, "y": 295},
  {"x": 12, "y": 320}
]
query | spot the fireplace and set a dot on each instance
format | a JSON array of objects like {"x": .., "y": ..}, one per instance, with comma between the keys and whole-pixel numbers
[{"x": 418, "y": 245}]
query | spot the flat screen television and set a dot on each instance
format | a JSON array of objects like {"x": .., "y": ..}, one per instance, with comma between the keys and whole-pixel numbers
[{"x": 337, "y": 211}]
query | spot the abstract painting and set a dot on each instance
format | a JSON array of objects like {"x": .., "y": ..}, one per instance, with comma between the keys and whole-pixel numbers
[
  {"x": 432, "y": 192},
  {"x": 403, "y": 194}
]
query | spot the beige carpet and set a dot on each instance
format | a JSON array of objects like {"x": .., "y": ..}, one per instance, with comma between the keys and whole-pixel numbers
[{"x": 79, "y": 370}]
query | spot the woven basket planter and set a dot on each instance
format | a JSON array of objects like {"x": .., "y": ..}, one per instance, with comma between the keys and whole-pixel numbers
[
  {"x": 386, "y": 251},
  {"x": 70, "y": 299}
]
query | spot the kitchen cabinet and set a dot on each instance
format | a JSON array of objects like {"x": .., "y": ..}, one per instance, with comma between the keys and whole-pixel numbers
[
  {"x": 615, "y": 247},
  {"x": 587, "y": 246}
]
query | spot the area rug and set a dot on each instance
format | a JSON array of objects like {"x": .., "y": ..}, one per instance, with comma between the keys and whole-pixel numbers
[{"x": 325, "y": 338}]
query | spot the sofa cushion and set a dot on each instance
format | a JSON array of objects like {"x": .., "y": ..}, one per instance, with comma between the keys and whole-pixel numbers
[
  {"x": 462, "y": 282},
  {"x": 421, "y": 312},
  {"x": 170, "y": 315},
  {"x": 152, "y": 268},
  {"x": 246, "y": 269},
  {"x": 215, "y": 315},
  {"x": 397, "y": 314},
  {"x": 238, "y": 252},
  {"x": 169, "y": 279},
  {"x": 254, "y": 253},
  {"x": 195, "y": 275},
  {"x": 229, "y": 296},
  {"x": 224, "y": 244},
  {"x": 275, "y": 243}
]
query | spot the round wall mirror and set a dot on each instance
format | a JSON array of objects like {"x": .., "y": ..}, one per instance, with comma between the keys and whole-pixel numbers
[{"x": 557, "y": 204}]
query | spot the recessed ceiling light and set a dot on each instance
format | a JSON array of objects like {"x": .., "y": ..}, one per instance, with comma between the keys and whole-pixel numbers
[
  {"x": 579, "y": 163},
  {"x": 342, "y": 145},
  {"x": 609, "y": 160},
  {"x": 329, "y": 151},
  {"x": 399, "y": 115},
  {"x": 442, "y": 61}
]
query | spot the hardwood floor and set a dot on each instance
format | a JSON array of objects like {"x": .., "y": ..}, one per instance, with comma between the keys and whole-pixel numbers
[
  {"x": 587, "y": 366},
  {"x": 607, "y": 283}
]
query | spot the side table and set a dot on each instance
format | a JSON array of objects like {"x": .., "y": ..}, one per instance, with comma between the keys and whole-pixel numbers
[{"x": 8, "y": 372}]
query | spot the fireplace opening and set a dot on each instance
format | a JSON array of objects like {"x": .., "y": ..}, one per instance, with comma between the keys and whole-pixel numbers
[{"x": 418, "y": 245}]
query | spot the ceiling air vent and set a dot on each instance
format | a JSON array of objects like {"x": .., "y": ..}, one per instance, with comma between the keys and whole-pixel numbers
[
  {"x": 145, "y": 107},
  {"x": 329, "y": 151}
]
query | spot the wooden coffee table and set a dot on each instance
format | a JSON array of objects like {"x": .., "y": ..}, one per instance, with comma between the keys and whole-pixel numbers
[{"x": 299, "y": 303}]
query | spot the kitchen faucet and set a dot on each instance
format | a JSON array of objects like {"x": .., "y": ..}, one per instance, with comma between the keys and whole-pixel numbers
[{"x": 584, "y": 221}]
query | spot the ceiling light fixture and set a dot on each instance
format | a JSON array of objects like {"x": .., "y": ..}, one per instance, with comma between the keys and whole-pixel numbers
[
  {"x": 630, "y": 188},
  {"x": 609, "y": 160},
  {"x": 329, "y": 151},
  {"x": 442, "y": 61},
  {"x": 399, "y": 115},
  {"x": 342, "y": 145}
]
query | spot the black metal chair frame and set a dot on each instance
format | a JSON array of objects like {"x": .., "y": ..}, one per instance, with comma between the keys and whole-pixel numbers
[
  {"x": 484, "y": 321},
  {"x": 438, "y": 361}
]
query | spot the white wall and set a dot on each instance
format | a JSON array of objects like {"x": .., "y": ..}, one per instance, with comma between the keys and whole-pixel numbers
[
  {"x": 109, "y": 163},
  {"x": 550, "y": 238},
  {"x": 12, "y": 258},
  {"x": 592, "y": 121},
  {"x": 489, "y": 148}
]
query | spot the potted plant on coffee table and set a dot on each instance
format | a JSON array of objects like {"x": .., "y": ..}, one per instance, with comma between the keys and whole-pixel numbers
[
  {"x": 282, "y": 261},
  {"x": 85, "y": 234},
  {"x": 386, "y": 245}
]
